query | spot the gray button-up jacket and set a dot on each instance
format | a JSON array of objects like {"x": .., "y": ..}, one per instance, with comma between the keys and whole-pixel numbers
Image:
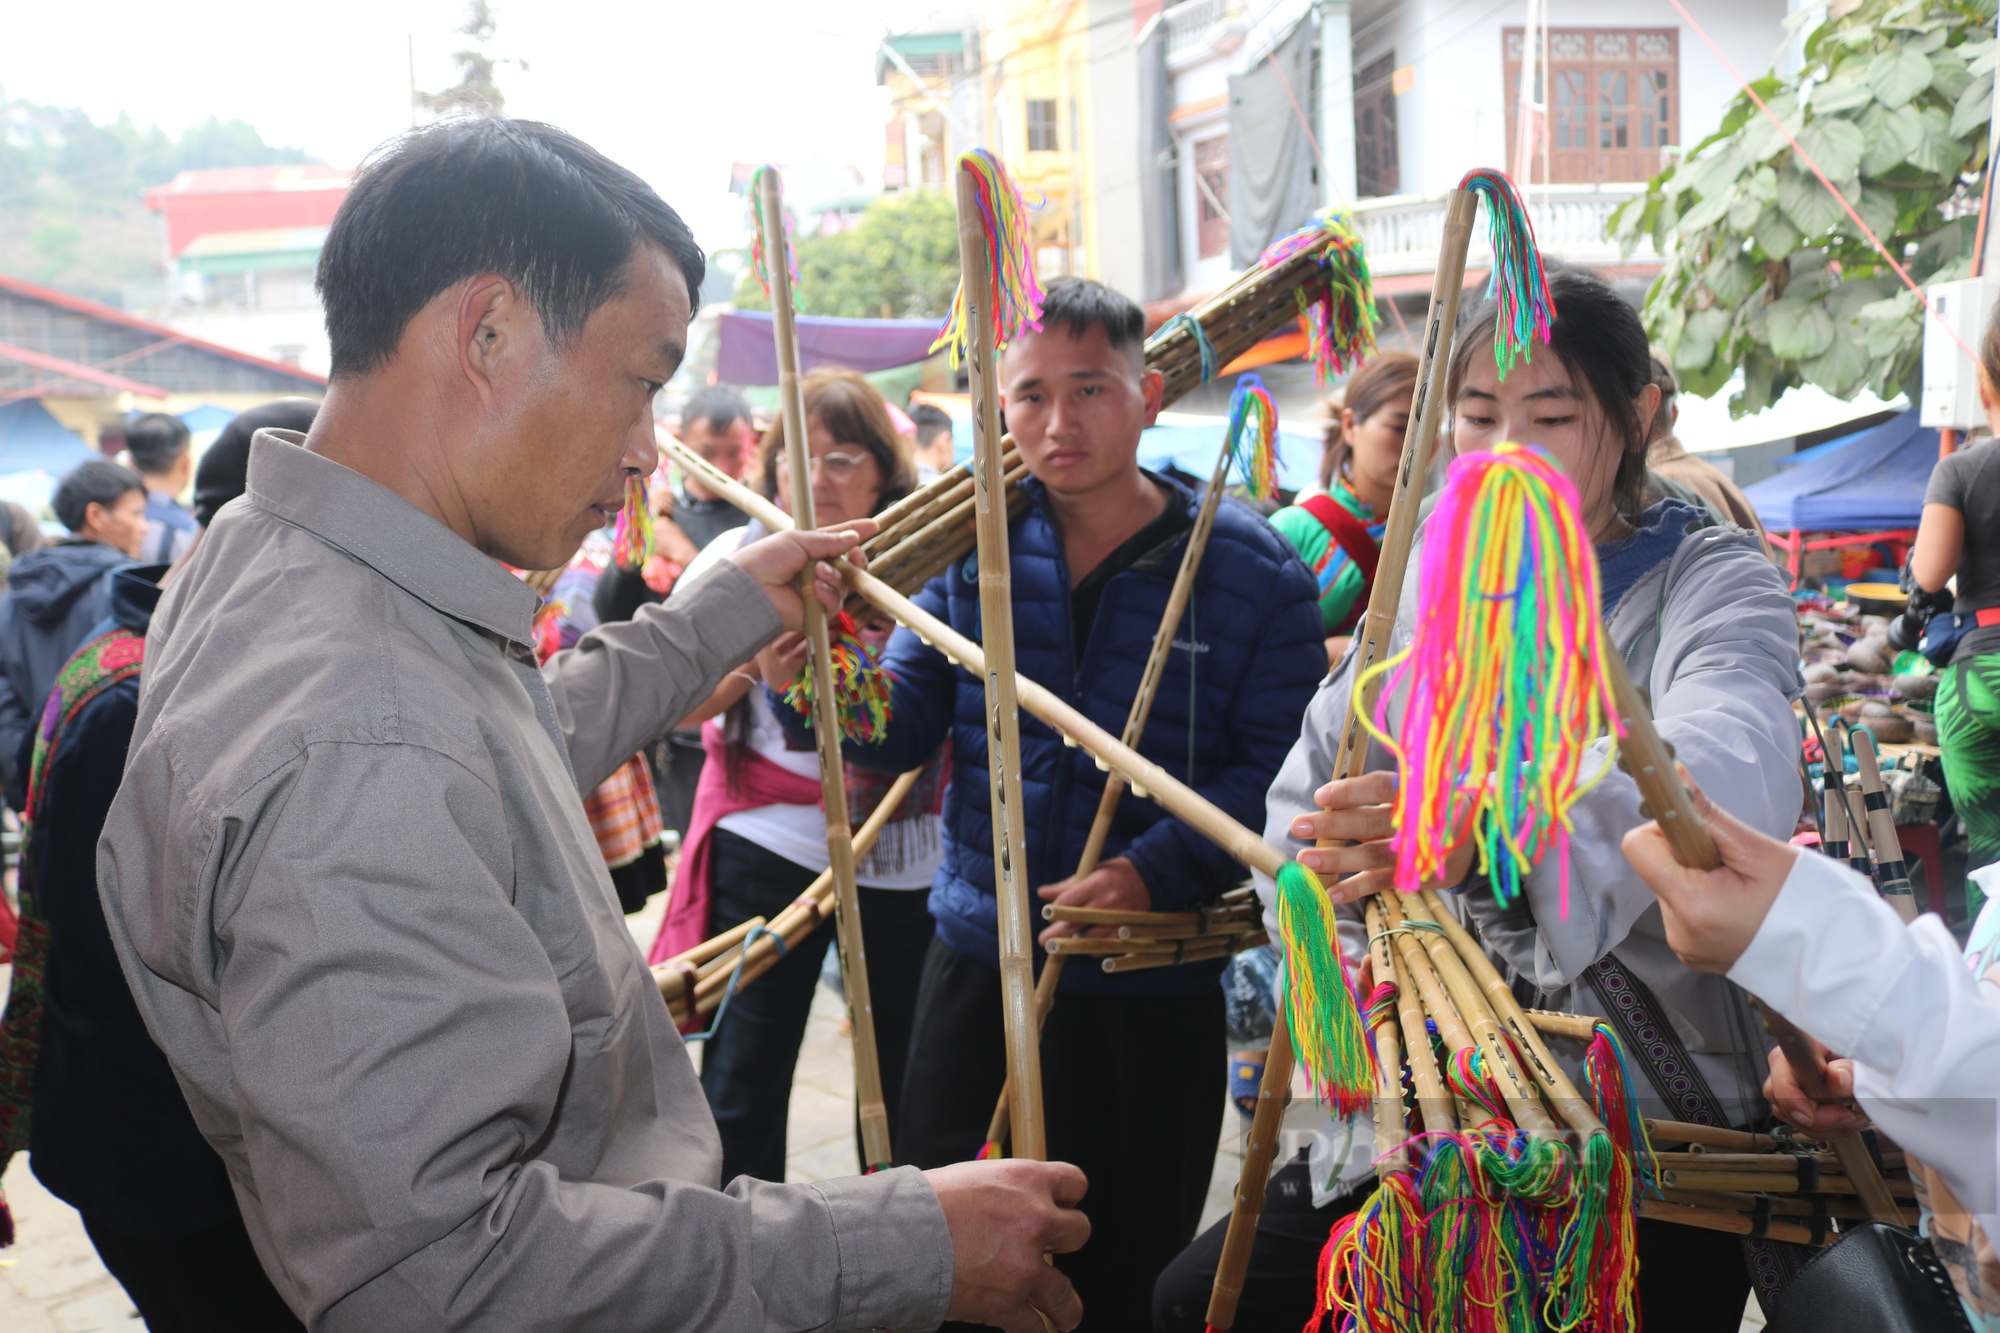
[{"x": 353, "y": 889}]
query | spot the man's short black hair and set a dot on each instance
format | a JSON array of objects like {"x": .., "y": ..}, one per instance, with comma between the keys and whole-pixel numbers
[
  {"x": 1079, "y": 304},
  {"x": 94, "y": 481},
  {"x": 486, "y": 195},
  {"x": 719, "y": 405},
  {"x": 931, "y": 421},
  {"x": 156, "y": 442}
]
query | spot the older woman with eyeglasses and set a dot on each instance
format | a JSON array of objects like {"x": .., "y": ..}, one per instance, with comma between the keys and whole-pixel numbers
[{"x": 757, "y": 838}]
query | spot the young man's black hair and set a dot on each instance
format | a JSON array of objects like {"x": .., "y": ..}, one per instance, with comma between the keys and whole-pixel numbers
[
  {"x": 156, "y": 442},
  {"x": 720, "y": 406},
  {"x": 1078, "y": 304},
  {"x": 929, "y": 420},
  {"x": 95, "y": 481},
  {"x": 467, "y": 196}
]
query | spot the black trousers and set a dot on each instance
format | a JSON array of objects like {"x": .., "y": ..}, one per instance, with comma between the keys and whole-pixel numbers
[
  {"x": 208, "y": 1282},
  {"x": 747, "y": 1067},
  {"x": 1690, "y": 1280},
  {"x": 1132, "y": 1089}
]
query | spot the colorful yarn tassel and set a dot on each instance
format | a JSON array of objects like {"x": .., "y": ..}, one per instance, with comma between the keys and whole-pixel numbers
[
  {"x": 1519, "y": 285},
  {"x": 760, "y": 262},
  {"x": 1339, "y": 309},
  {"x": 989, "y": 1151},
  {"x": 1201, "y": 343},
  {"x": 859, "y": 683},
  {"x": 1372, "y": 1267},
  {"x": 1253, "y": 437},
  {"x": 1319, "y": 998},
  {"x": 1014, "y": 295},
  {"x": 1506, "y": 698},
  {"x": 632, "y": 539}
]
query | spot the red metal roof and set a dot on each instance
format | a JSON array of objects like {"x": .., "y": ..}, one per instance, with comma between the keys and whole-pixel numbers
[
  {"x": 197, "y": 203},
  {"x": 94, "y": 310},
  {"x": 72, "y": 370}
]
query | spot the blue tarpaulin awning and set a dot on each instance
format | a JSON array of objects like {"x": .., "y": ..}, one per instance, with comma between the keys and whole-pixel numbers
[
  {"x": 32, "y": 439},
  {"x": 747, "y": 352},
  {"x": 1875, "y": 479}
]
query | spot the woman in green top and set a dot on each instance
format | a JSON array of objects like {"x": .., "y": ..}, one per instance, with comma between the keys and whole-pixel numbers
[{"x": 1336, "y": 529}]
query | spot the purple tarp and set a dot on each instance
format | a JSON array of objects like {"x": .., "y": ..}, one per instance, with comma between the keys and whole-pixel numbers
[{"x": 748, "y": 353}]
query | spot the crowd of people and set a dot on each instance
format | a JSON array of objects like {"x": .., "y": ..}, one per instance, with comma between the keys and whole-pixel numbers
[{"x": 325, "y": 1009}]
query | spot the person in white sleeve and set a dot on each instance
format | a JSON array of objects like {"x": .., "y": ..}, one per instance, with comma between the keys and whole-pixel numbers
[{"x": 1913, "y": 1020}]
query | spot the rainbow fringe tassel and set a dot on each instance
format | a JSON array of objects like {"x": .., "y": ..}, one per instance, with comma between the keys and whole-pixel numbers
[
  {"x": 1319, "y": 997},
  {"x": 1519, "y": 285},
  {"x": 1253, "y": 437},
  {"x": 1202, "y": 345},
  {"x": 632, "y": 538},
  {"x": 1505, "y": 695},
  {"x": 760, "y": 262},
  {"x": 859, "y": 683},
  {"x": 1339, "y": 310},
  {"x": 1015, "y": 295}
]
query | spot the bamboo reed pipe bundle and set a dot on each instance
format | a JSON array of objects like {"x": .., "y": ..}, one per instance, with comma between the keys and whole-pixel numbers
[
  {"x": 1714, "y": 1136},
  {"x": 793, "y": 924},
  {"x": 1196, "y": 952},
  {"x": 1392, "y": 1131},
  {"x": 1235, "y": 925},
  {"x": 1434, "y": 1100},
  {"x": 674, "y": 974},
  {"x": 1139, "y": 772},
  {"x": 1892, "y": 875},
  {"x": 1233, "y": 902},
  {"x": 1778, "y": 1182},
  {"x": 1824, "y": 1162},
  {"x": 1782, "y": 1205},
  {"x": 1371, "y": 646},
  {"x": 1576, "y": 1027},
  {"x": 1715, "y": 1219},
  {"x": 1548, "y": 1075}
]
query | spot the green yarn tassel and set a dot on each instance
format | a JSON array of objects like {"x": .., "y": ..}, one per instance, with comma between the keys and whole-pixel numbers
[{"x": 1325, "y": 1022}]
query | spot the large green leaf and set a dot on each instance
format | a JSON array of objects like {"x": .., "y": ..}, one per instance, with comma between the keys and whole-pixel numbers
[
  {"x": 1699, "y": 336},
  {"x": 1745, "y": 207},
  {"x": 1806, "y": 204},
  {"x": 1939, "y": 151},
  {"x": 1897, "y": 75},
  {"x": 1798, "y": 329},
  {"x": 1836, "y": 144},
  {"x": 1774, "y": 235},
  {"x": 1889, "y": 137},
  {"x": 1948, "y": 74},
  {"x": 1712, "y": 174},
  {"x": 1709, "y": 211},
  {"x": 1761, "y": 138},
  {"x": 1840, "y": 369},
  {"x": 1845, "y": 91},
  {"x": 1975, "y": 106},
  {"x": 1732, "y": 278}
]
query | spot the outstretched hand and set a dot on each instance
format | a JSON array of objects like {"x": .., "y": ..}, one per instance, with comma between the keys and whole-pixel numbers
[
  {"x": 1712, "y": 915},
  {"x": 1115, "y": 886},
  {"x": 1004, "y": 1217},
  {"x": 775, "y": 562}
]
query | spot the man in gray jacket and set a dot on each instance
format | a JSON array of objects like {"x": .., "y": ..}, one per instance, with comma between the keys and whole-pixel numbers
[{"x": 348, "y": 873}]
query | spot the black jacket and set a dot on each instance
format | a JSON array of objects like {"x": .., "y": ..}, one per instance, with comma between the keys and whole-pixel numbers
[
  {"x": 111, "y": 1134},
  {"x": 54, "y": 596}
]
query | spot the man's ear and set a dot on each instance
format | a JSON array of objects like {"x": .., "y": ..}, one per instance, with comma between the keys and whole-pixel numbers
[
  {"x": 1153, "y": 387},
  {"x": 1648, "y": 403},
  {"x": 490, "y": 328}
]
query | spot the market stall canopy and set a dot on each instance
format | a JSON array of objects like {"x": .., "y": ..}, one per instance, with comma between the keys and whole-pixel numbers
[
  {"x": 1705, "y": 425},
  {"x": 1191, "y": 442},
  {"x": 1874, "y": 479},
  {"x": 33, "y": 440},
  {"x": 747, "y": 353}
]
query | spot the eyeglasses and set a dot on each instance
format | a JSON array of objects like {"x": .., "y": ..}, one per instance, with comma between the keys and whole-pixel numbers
[{"x": 837, "y": 466}]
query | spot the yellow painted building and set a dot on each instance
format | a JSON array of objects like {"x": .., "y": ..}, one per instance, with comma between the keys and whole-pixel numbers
[{"x": 1038, "y": 80}]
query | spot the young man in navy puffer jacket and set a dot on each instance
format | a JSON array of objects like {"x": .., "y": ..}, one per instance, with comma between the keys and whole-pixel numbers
[{"x": 1134, "y": 1064}]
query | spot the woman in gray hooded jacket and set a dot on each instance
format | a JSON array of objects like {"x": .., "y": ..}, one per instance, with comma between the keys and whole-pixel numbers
[{"x": 1706, "y": 625}]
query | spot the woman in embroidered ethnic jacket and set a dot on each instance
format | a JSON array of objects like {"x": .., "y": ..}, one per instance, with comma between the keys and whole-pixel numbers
[{"x": 1705, "y": 624}]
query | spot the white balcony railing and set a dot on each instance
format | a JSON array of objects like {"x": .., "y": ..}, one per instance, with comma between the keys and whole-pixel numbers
[{"x": 1402, "y": 232}]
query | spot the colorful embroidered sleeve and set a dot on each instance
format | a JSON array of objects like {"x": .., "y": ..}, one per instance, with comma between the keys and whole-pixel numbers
[{"x": 1341, "y": 582}]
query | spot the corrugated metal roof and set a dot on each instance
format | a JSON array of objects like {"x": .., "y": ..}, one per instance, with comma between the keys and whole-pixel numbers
[{"x": 57, "y": 326}]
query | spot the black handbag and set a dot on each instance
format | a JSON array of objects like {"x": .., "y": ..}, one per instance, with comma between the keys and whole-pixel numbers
[{"x": 1877, "y": 1278}]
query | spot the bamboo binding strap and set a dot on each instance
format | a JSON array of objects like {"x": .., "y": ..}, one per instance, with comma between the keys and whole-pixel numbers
[
  {"x": 1892, "y": 876},
  {"x": 1305, "y": 905},
  {"x": 1252, "y": 414}
]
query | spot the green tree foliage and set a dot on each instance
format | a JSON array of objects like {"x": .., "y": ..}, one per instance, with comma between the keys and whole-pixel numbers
[
  {"x": 1765, "y": 270},
  {"x": 72, "y": 214},
  {"x": 899, "y": 261}
]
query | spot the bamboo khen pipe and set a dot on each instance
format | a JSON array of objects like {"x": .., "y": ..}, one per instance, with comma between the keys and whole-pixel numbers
[
  {"x": 1714, "y": 1219},
  {"x": 1860, "y": 850},
  {"x": 1434, "y": 1100},
  {"x": 1713, "y": 1136},
  {"x": 874, "y": 1112},
  {"x": 1651, "y": 767},
  {"x": 1392, "y": 1132},
  {"x": 1197, "y": 951},
  {"x": 1139, "y": 772},
  {"x": 976, "y": 265},
  {"x": 1576, "y": 1027},
  {"x": 1370, "y": 646},
  {"x": 794, "y": 923},
  {"x": 1554, "y": 1083},
  {"x": 1892, "y": 875}
]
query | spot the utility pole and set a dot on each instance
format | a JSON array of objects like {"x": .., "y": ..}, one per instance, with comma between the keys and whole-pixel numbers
[{"x": 1336, "y": 102}]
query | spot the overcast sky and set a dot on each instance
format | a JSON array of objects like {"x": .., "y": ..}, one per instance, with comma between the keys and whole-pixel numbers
[{"x": 676, "y": 90}]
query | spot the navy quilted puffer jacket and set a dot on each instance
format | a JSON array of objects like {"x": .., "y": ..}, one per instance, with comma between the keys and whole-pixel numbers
[{"x": 1254, "y": 628}]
